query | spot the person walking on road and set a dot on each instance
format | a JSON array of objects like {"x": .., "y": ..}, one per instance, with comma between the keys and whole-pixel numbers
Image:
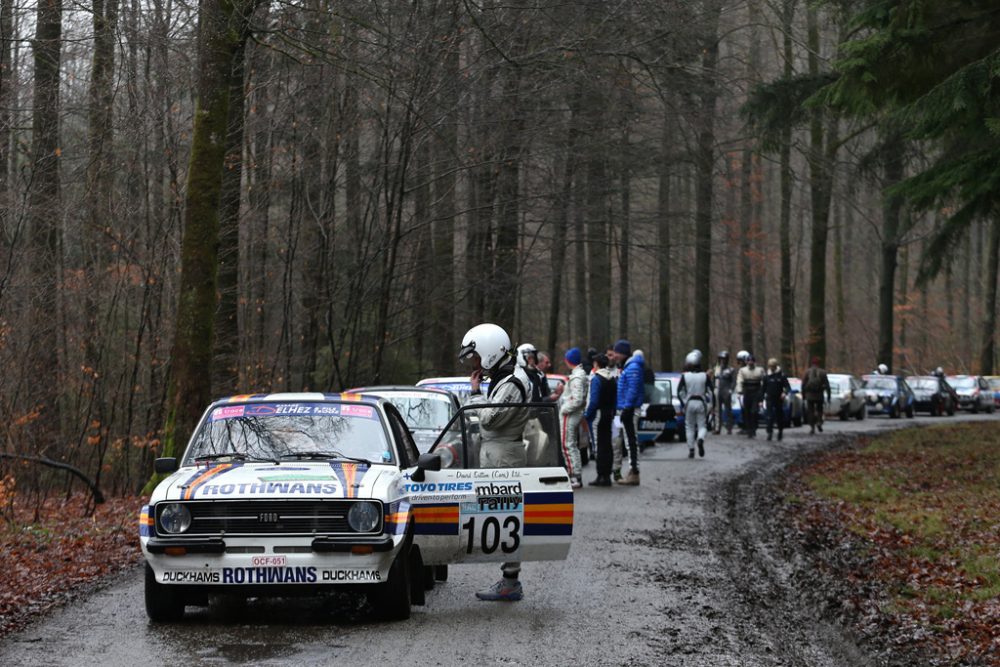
[
  {"x": 617, "y": 436},
  {"x": 601, "y": 406},
  {"x": 486, "y": 351},
  {"x": 574, "y": 399},
  {"x": 749, "y": 386},
  {"x": 693, "y": 393},
  {"x": 631, "y": 394},
  {"x": 776, "y": 387},
  {"x": 816, "y": 385},
  {"x": 724, "y": 379}
]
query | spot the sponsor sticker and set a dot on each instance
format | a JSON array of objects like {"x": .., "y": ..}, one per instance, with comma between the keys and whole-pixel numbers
[
  {"x": 270, "y": 574},
  {"x": 228, "y": 412},
  {"x": 357, "y": 411}
]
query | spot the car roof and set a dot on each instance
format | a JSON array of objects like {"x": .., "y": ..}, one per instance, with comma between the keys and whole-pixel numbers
[
  {"x": 296, "y": 397},
  {"x": 398, "y": 387}
]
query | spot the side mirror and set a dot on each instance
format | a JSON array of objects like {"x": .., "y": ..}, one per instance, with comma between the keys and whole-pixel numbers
[
  {"x": 425, "y": 462},
  {"x": 165, "y": 465}
]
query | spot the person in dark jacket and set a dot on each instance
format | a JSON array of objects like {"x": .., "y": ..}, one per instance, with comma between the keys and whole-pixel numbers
[
  {"x": 776, "y": 387},
  {"x": 601, "y": 406},
  {"x": 814, "y": 385}
]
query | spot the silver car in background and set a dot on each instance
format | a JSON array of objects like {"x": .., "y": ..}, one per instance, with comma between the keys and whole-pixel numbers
[
  {"x": 847, "y": 399},
  {"x": 973, "y": 391}
]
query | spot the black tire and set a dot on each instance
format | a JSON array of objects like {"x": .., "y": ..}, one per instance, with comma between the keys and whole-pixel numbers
[
  {"x": 935, "y": 409},
  {"x": 391, "y": 600},
  {"x": 418, "y": 585},
  {"x": 862, "y": 413},
  {"x": 164, "y": 604},
  {"x": 894, "y": 412},
  {"x": 429, "y": 579},
  {"x": 844, "y": 414},
  {"x": 441, "y": 572},
  {"x": 909, "y": 411}
]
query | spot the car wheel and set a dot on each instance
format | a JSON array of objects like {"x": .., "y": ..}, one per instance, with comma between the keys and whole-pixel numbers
[
  {"x": 843, "y": 415},
  {"x": 935, "y": 409},
  {"x": 441, "y": 572},
  {"x": 909, "y": 411},
  {"x": 429, "y": 579},
  {"x": 975, "y": 408},
  {"x": 894, "y": 412},
  {"x": 391, "y": 600},
  {"x": 951, "y": 411},
  {"x": 862, "y": 413},
  {"x": 164, "y": 604}
]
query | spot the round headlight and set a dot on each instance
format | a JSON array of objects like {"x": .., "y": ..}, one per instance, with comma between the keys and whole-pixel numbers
[
  {"x": 175, "y": 518},
  {"x": 363, "y": 517}
]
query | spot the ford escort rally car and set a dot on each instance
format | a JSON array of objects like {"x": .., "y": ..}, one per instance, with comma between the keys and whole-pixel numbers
[{"x": 286, "y": 494}]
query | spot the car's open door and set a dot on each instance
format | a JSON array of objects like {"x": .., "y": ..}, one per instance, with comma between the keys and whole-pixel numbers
[{"x": 467, "y": 514}]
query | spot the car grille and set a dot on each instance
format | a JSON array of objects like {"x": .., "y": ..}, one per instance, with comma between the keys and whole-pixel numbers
[{"x": 269, "y": 517}]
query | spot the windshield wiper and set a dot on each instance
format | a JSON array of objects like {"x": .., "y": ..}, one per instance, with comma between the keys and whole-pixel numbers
[
  {"x": 234, "y": 455},
  {"x": 324, "y": 456}
]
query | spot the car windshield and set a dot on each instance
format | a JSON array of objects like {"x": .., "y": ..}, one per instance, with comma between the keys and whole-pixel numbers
[
  {"x": 659, "y": 392},
  {"x": 275, "y": 431},
  {"x": 962, "y": 383},
  {"x": 420, "y": 410},
  {"x": 924, "y": 384},
  {"x": 839, "y": 386},
  {"x": 887, "y": 384}
]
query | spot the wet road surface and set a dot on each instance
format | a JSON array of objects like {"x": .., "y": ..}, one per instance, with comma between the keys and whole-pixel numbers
[{"x": 677, "y": 571}]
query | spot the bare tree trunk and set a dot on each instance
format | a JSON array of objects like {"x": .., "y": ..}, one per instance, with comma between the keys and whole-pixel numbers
[
  {"x": 625, "y": 241},
  {"x": 99, "y": 175},
  {"x": 705, "y": 167},
  {"x": 987, "y": 357},
  {"x": 746, "y": 268},
  {"x": 46, "y": 211},
  {"x": 226, "y": 355},
  {"x": 665, "y": 226},
  {"x": 788, "y": 356},
  {"x": 223, "y": 29},
  {"x": 892, "y": 211},
  {"x": 6, "y": 102},
  {"x": 560, "y": 230}
]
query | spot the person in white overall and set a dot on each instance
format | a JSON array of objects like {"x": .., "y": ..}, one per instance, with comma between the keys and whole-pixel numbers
[{"x": 693, "y": 392}]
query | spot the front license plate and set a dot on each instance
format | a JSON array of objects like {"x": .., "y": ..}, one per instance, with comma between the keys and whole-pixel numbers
[
  {"x": 269, "y": 561},
  {"x": 653, "y": 426}
]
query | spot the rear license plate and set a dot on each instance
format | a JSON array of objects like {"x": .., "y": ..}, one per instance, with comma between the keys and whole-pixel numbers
[{"x": 269, "y": 561}]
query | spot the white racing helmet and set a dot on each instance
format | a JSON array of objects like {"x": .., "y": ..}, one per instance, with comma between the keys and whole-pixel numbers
[
  {"x": 693, "y": 359},
  {"x": 742, "y": 355},
  {"x": 523, "y": 350},
  {"x": 489, "y": 341},
  {"x": 883, "y": 369}
]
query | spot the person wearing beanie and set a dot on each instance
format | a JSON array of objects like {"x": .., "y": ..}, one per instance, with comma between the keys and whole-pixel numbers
[
  {"x": 776, "y": 387},
  {"x": 574, "y": 400},
  {"x": 631, "y": 395},
  {"x": 601, "y": 404}
]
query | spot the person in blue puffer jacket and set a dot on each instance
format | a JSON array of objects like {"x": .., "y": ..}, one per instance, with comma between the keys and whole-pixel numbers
[{"x": 631, "y": 396}]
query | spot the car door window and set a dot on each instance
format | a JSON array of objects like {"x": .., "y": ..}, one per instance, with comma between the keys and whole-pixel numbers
[{"x": 407, "y": 448}]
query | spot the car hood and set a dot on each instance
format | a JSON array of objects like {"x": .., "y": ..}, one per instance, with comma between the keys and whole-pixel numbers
[{"x": 243, "y": 480}]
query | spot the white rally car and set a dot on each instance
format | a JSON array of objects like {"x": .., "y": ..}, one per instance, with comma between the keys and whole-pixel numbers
[{"x": 286, "y": 494}]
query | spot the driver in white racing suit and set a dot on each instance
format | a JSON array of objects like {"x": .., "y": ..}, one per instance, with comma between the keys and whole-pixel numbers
[
  {"x": 486, "y": 350},
  {"x": 693, "y": 391}
]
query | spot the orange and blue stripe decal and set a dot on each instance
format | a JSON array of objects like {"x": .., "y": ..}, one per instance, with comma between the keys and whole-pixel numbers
[
  {"x": 397, "y": 515},
  {"x": 145, "y": 522},
  {"x": 435, "y": 519},
  {"x": 349, "y": 475},
  {"x": 548, "y": 513},
  {"x": 190, "y": 487}
]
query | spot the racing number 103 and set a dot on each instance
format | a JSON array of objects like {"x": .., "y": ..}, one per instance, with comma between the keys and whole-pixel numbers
[{"x": 489, "y": 534}]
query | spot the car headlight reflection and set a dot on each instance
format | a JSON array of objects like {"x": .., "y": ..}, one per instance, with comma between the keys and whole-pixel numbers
[
  {"x": 175, "y": 518},
  {"x": 447, "y": 455},
  {"x": 363, "y": 517}
]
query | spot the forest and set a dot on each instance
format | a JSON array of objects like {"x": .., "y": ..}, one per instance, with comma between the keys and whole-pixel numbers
[{"x": 200, "y": 199}]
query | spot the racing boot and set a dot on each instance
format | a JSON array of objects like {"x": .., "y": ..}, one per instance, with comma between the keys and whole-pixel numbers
[
  {"x": 632, "y": 479},
  {"x": 508, "y": 590},
  {"x": 601, "y": 481},
  {"x": 577, "y": 482},
  {"x": 691, "y": 453},
  {"x": 701, "y": 448}
]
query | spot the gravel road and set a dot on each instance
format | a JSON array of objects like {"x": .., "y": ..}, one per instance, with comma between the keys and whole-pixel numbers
[{"x": 682, "y": 570}]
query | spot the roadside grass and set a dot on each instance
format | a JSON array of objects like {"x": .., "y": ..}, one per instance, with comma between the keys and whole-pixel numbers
[{"x": 923, "y": 506}]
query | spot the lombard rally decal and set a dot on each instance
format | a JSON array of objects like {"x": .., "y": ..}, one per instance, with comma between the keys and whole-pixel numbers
[
  {"x": 269, "y": 575},
  {"x": 493, "y": 522},
  {"x": 548, "y": 513}
]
